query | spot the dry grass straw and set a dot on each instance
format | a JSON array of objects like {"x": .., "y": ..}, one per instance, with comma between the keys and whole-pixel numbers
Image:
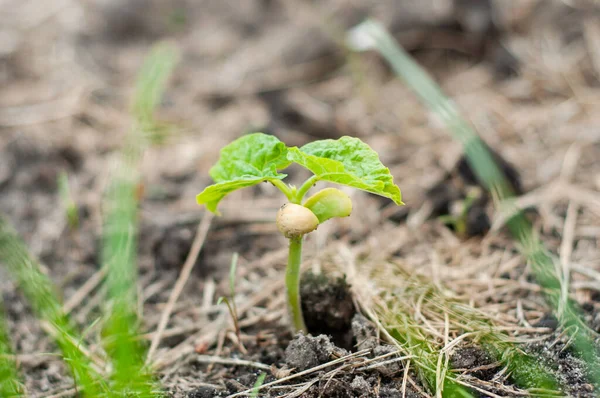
[
  {"x": 431, "y": 323},
  {"x": 371, "y": 35}
]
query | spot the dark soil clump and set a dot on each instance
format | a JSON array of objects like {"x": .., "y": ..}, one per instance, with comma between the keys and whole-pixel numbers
[
  {"x": 327, "y": 307},
  {"x": 352, "y": 380},
  {"x": 204, "y": 392},
  {"x": 355, "y": 377},
  {"x": 475, "y": 361},
  {"x": 305, "y": 352}
]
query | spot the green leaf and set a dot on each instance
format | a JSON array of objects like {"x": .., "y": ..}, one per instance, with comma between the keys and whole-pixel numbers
[
  {"x": 347, "y": 161},
  {"x": 245, "y": 162},
  {"x": 329, "y": 203},
  {"x": 251, "y": 156}
]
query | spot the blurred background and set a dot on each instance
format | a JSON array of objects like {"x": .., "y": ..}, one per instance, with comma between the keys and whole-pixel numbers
[{"x": 525, "y": 73}]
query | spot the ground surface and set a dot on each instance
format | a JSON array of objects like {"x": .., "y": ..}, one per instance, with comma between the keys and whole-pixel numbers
[{"x": 67, "y": 72}]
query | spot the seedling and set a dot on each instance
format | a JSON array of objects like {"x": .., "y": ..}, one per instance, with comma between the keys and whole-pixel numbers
[
  {"x": 230, "y": 301},
  {"x": 458, "y": 217},
  {"x": 258, "y": 157}
]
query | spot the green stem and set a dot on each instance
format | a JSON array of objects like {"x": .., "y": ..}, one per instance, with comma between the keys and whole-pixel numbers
[
  {"x": 283, "y": 187},
  {"x": 304, "y": 189},
  {"x": 292, "y": 282}
]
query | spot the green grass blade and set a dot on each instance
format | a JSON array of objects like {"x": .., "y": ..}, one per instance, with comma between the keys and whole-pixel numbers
[
  {"x": 150, "y": 87},
  {"x": 10, "y": 385},
  {"x": 119, "y": 245},
  {"x": 121, "y": 329},
  {"x": 40, "y": 292},
  {"x": 152, "y": 79},
  {"x": 259, "y": 382},
  {"x": 375, "y": 36},
  {"x": 371, "y": 35}
]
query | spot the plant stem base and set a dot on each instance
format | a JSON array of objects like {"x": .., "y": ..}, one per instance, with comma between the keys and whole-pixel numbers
[{"x": 292, "y": 282}]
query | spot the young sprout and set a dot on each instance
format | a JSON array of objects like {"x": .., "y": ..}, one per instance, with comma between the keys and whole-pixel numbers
[
  {"x": 230, "y": 301},
  {"x": 459, "y": 214},
  {"x": 258, "y": 157}
]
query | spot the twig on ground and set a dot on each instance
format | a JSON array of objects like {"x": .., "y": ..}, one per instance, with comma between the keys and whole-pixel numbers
[
  {"x": 205, "y": 336},
  {"x": 213, "y": 359},
  {"x": 183, "y": 277}
]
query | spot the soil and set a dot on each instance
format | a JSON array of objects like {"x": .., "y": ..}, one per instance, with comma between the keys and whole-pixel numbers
[
  {"x": 328, "y": 307},
  {"x": 475, "y": 361},
  {"x": 524, "y": 73},
  {"x": 306, "y": 352}
]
